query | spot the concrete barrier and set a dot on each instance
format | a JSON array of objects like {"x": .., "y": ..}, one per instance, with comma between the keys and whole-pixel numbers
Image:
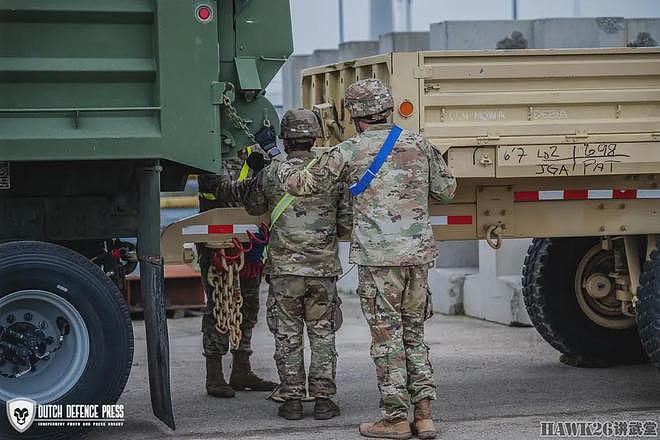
[
  {"x": 357, "y": 49},
  {"x": 473, "y": 35},
  {"x": 495, "y": 293},
  {"x": 558, "y": 33},
  {"x": 291, "y": 80},
  {"x": 404, "y": 42},
  {"x": 635, "y": 26},
  {"x": 321, "y": 57}
]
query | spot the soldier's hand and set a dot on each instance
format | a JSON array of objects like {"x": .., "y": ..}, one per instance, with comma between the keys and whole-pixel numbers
[
  {"x": 256, "y": 161},
  {"x": 267, "y": 140}
]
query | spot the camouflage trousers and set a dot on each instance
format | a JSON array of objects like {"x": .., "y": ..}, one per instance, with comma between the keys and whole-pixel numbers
[
  {"x": 213, "y": 342},
  {"x": 395, "y": 304},
  {"x": 294, "y": 301}
]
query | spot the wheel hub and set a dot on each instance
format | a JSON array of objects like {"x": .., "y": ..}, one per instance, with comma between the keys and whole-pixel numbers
[
  {"x": 595, "y": 290},
  {"x": 23, "y": 346},
  {"x": 598, "y": 285},
  {"x": 44, "y": 346}
]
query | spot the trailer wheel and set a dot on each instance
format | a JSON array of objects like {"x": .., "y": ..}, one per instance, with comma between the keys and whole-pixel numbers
[
  {"x": 82, "y": 338},
  {"x": 569, "y": 299},
  {"x": 648, "y": 308}
]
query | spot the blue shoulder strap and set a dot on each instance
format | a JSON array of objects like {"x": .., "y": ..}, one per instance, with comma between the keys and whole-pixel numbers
[{"x": 362, "y": 184}]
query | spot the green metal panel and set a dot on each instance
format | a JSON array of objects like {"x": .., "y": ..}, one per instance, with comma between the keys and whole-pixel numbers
[
  {"x": 188, "y": 62},
  {"x": 135, "y": 79},
  {"x": 252, "y": 33},
  {"x": 248, "y": 75}
]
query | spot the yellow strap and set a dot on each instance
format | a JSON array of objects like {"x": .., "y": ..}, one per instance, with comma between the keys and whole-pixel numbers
[
  {"x": 284, "y": 202},
  {"x": 207, "y": 196},
  {"x": 281, "y": 206},
  {"x": 246, "y": 169}
]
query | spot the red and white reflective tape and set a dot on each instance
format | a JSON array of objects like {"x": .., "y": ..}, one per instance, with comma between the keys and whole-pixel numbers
[
  {"x": 446, "y": 220},
  {"x": 218, "y": 229},
  {"x": 586, "y": 194}
]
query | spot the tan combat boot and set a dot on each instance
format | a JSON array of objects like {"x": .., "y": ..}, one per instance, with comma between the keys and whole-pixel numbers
[
  {"x": 243, "y": 378},
  {"x": 423, "y": 424},
  {"x": 395, "y": 429},
  {"x": 215, "y": 379}
]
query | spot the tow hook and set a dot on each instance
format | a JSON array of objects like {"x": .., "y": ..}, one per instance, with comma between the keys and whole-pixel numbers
[{"x": 494, "y": 236}]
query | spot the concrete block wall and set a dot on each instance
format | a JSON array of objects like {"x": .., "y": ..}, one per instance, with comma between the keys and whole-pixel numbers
[
  {"x": 291, "y": 80},
  {"x": 559, "y": 33},
  {"x": 357, "y": 49},
  {"x": 549, "y": 33},
  {"x": 404, "y": 42},
  {"x": 634, "y": 26},
  {"x": 470, "y": 35}
]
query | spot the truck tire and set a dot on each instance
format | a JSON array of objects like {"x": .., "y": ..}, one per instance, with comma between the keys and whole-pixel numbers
[
  {"x": 551, "y": 298},
  {"x": 65, "y": 294},
  {"x": 648, "y": 308}
]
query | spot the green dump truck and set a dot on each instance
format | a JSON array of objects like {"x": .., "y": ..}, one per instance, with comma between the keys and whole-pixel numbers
[{"x": 103, "y": 104}]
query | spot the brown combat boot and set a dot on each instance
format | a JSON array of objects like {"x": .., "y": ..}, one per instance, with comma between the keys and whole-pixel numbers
[
  {"x": 395, "y": 429},
  {"x": 423, "y": 425},
  {"x": 215, "y": 379},
  {"x": 243, "y": 378}
]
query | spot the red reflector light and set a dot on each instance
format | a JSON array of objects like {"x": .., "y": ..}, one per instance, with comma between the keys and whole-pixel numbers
[
  {"x": 406, "y": 109},
  {"x": 204, "y": 13}
]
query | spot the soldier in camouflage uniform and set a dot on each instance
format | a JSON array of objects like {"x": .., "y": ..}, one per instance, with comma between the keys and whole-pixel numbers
[
  {"x": 392, "y": 245},
  {"x": 215, "y": 344},
  {"x": 302, "y": 268}
]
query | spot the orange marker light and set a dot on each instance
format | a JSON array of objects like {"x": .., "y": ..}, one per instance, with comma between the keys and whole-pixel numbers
[{"x": 406, "y": 109}]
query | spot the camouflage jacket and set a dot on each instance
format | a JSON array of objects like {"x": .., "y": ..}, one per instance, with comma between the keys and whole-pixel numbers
[
  {"x": 390, "y": 219},
  {"x": 231, "y": 168},
  {"x": 303, "y": 241}
]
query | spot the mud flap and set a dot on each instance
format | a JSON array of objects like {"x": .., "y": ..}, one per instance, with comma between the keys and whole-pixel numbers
[
  {"x": 153, "y": 293},
  {"x": 158, "y": 352}
]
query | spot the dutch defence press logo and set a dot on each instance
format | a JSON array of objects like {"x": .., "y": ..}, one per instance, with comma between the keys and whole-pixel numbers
[
  {"x": 20, "y": 413},
  {"x": 23, "y": 413}
]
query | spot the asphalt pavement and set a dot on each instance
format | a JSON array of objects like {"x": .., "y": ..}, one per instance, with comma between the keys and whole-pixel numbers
[{"x": 493, "y": 381}]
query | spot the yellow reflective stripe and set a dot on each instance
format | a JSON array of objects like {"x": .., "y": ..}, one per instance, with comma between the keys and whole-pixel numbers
[
  {"x": 280, "y": 207},
  {"x": 207, "y": 196},
  {"x": 284, "y": 202},
  {"x": 246, "y": 169}
]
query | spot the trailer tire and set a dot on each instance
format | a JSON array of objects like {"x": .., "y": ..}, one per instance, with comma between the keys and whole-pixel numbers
[
  {"x": 648, "y": 308},
  {"x": 45, "y": 276},
  {"x": 548, "y": 280}
]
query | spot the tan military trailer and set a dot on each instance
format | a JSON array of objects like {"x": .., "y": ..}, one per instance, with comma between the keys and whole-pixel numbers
[{"x": 559, "y": 145}]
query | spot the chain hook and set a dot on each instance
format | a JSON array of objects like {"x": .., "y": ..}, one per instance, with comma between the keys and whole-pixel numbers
[{"x": 494, "y": 236}]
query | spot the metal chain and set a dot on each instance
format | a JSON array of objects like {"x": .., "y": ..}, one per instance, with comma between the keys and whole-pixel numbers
[
  {"x": 237, "y": 120},
  {"x": 227, "y": 299}
]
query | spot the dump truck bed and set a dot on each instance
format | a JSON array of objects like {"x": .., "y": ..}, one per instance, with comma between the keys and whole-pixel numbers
[{"x": 577, "y": 128}]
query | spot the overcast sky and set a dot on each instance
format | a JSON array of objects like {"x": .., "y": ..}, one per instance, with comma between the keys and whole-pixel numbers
[{"x": 315, "y": 22}]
